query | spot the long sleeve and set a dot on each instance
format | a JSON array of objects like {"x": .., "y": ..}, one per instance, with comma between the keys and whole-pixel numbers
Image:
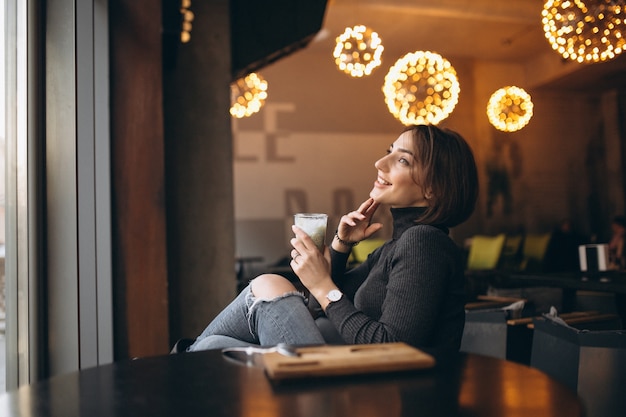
[
  {"x": 413, "y": 293},
  {"x": 349, "y": 281}
]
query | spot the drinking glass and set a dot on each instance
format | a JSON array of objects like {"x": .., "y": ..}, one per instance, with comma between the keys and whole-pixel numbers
[{"x": 314, "y": 225}]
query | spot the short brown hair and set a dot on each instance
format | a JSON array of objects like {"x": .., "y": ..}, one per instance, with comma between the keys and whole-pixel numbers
[{"x": 449, "y": 171}]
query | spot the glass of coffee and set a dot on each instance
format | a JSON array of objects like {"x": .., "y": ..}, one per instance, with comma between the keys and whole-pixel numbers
[{"x": 314, "y": 225}]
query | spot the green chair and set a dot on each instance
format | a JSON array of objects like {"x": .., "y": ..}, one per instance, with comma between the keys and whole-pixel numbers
[
  {"x": 485, "y": 252},
  {"x": 534, "y": 251},
  {"x": 364, "y": 248}
]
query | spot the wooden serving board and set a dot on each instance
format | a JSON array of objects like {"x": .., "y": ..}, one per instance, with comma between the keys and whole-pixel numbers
[{"x": 328, "y": 360}]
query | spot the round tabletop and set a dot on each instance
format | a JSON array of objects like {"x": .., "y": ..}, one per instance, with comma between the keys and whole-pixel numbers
[{"x": 208, "y": 384}]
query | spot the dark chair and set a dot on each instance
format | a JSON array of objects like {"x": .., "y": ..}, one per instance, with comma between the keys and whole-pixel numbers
[
  {"x": 490, "y": 329},
  {"x": 590, "y": 362},
  {"x": 511, "y": 256}
]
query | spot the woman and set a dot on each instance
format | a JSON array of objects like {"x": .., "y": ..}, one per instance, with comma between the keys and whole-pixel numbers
[{"x": 409, "y": 290}]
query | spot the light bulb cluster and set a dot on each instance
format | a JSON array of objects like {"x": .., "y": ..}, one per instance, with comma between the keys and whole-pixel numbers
[
  {"x": 358, "y": 51},
  {"x": 187, "y": 16},
  {"x": 585, "y": 31},
  {"x": 421, "y": 87},
  {"x": 248, "y": 95},
  {"x": 510, "y": 109}
]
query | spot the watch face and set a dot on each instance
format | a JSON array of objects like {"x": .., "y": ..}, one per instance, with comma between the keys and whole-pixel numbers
[{"x": 334, "y": 295}]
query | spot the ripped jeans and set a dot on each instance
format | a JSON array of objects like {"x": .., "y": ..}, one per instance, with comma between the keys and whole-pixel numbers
[{"x": 248, "y": 321}]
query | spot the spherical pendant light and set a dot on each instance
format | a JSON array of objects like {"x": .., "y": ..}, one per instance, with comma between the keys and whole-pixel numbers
[
  {"x": 358, "y": 51},
  {"x": 421, "y": 87},
  {"x": 585, "y": 31},
  {"x": 510, "y": 109},
  {"x": 247, "y": 95}
]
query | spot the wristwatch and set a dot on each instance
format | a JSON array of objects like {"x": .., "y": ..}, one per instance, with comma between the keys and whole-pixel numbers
[{"x": 334, "y": 295}]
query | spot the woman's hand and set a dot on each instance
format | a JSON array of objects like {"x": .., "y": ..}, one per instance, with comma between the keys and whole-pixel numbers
[
  {"x": 309, "y": 264},
  {"x": 355, "y": 226}
]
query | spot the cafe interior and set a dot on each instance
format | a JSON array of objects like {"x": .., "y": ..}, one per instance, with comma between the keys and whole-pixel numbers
[{"x": 158, "y": 150}]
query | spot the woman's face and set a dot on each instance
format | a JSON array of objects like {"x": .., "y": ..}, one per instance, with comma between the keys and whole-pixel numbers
[{"x": 397, "y": 182}]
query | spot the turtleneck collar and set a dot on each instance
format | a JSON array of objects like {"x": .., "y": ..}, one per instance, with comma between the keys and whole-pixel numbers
[{"x": 405, "y": 217}]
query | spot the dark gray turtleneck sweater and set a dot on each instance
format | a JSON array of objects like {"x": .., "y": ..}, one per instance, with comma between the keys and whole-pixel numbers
[{"x": 409, "y": 290}]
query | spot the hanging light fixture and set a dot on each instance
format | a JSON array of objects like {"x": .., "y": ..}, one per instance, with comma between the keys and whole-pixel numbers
[
  {"x": 247, "y": 95},
  {"x": 510, "y": 109},
  {"x": 585, "y": 31},
  {"x": 187, "y": 17},
  {"x": 358, "y": 51},
  {"x": 421, "y": 87}
]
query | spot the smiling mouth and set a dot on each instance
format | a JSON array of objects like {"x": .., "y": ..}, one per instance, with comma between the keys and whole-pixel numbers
[{"x": 382, "y": 181}]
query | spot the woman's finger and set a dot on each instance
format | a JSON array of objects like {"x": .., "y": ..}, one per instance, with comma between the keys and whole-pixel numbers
[
  {"x": 301, "y": 239},
  {"x": 353, "y": 218},
  {"x": 348, "y": 220},
  {"x": 366, "y": 205},
  {"x": 297, "y": 245},
  {"x": 372, "y": 208}
]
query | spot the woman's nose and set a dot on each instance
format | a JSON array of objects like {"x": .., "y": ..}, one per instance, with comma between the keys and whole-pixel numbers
[{"x": 380, "y": 164}]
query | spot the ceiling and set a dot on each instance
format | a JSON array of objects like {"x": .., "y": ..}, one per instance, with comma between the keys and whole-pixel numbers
[{"x": 498, "y": 30}]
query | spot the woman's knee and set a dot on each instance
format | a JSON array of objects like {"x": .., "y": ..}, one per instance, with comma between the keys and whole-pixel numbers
[{"x": 270, "y": 286}]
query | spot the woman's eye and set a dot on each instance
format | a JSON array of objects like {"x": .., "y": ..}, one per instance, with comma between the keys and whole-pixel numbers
[{"x": 404, "y": 161}]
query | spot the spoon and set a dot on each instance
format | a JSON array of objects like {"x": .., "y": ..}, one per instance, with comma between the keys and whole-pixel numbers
[
  {"x": 249, "y": 354},
  {"x": 282, "y": 348}
]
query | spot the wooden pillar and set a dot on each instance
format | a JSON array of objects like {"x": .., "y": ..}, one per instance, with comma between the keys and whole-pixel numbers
[{"x": 139, "y": 241}]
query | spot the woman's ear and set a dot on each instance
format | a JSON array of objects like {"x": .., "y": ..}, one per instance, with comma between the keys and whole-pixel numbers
[{"x": 428, "y": 195}]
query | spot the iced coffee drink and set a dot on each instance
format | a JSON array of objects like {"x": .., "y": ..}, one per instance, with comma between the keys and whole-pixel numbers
[{"x": 314, "y": 225}]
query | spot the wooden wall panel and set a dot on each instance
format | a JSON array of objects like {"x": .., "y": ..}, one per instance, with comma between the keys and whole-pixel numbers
[{"x": 139, "y": 249}]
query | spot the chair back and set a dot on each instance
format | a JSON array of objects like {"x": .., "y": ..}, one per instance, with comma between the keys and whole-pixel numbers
[
  {"x": 364, "y": 248},
  {"x": 534, "y": 250},
  {"x": 485, "y": 251},
  {"x": 590, "y": 362}
]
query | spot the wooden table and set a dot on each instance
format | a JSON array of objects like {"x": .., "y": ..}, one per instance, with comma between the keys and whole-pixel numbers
[
  {"x": 608, "y": 281},
  {"x": 207, "y": 384},
  {"x": 613, "y": 282}
]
